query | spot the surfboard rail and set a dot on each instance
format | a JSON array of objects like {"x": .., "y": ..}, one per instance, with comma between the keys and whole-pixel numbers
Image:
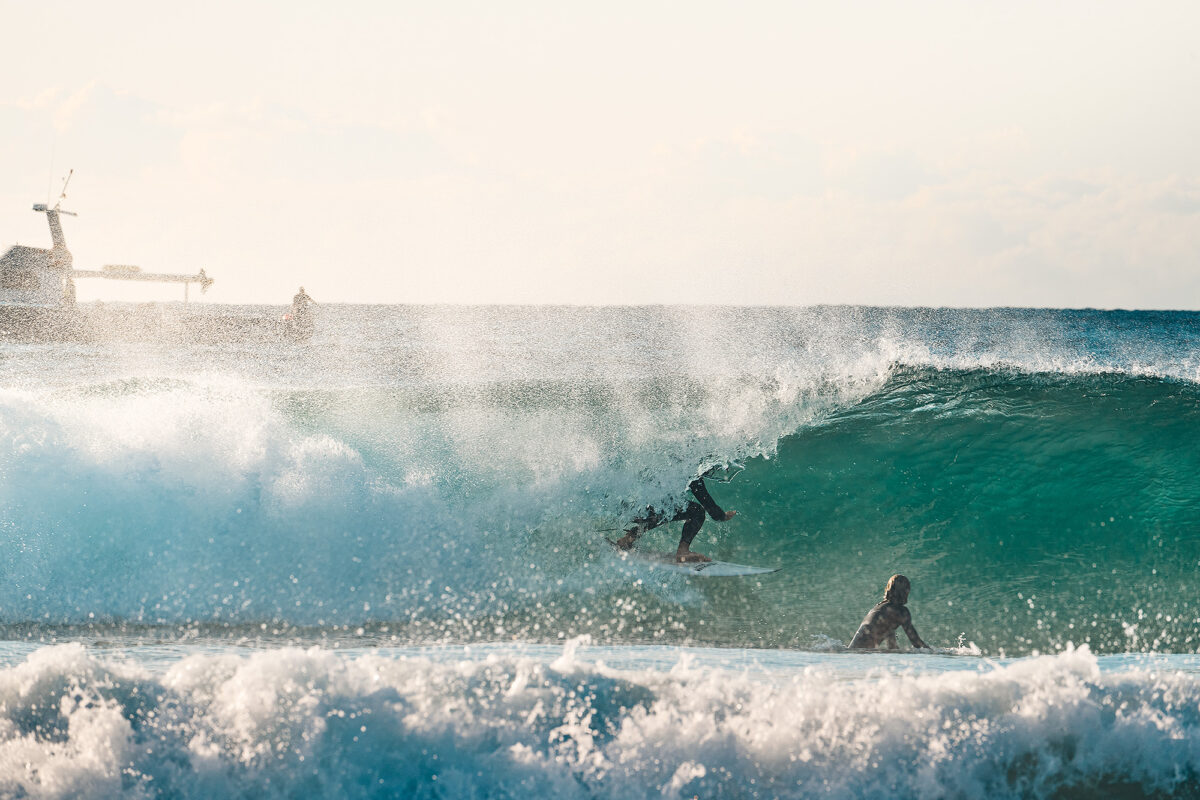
[{"x": 708, "y": 569}]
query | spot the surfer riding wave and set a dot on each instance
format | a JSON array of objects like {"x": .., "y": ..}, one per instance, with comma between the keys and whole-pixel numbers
[{"x": 692, "y": 517}]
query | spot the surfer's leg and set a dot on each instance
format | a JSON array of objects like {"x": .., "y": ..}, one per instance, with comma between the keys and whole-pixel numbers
[{"x": 693, "y": 520}]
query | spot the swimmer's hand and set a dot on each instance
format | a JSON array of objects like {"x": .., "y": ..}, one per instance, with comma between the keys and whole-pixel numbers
[{"x": 730, "y": 515}]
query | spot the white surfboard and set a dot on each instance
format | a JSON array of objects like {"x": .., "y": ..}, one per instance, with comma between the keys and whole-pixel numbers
[{"x": 704, "y": 569}]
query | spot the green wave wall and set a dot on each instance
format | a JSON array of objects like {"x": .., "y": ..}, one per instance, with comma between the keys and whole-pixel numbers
[{"x": 1028, "y": 510}]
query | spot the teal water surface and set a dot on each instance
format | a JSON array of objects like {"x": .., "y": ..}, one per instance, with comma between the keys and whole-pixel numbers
[{"x": 450, "y": 474}]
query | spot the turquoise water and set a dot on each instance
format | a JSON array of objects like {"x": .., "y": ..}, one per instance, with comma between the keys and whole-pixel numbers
[{"x": 415, "y": 481}]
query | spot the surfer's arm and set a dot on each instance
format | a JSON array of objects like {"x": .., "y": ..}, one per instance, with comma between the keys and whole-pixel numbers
[
  {"x": 911, "y": 632},
  {"x": 892, "y": 644},
  {"x": 701, "y": 493}
]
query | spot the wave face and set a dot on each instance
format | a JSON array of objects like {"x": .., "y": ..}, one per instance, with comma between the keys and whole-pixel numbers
[
  {"x": 316, "y": 723},
  {"x": 419, "y": 474},
  {"x": 1028, "y": 510}
]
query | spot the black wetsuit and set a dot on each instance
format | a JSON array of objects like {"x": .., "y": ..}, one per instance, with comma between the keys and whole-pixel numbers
[
  {"x": 880, "y": 625},
  {"x": 692, "y": 516}
]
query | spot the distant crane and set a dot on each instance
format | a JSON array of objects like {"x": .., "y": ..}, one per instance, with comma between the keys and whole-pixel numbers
[{"x": 61, "y": 257}]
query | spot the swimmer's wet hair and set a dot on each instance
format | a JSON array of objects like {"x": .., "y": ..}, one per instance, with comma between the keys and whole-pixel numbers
[{"x": 897, "y": 584}]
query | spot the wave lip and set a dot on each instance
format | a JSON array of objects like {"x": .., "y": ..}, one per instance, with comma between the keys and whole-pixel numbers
[{"x": 319, "y": 723}]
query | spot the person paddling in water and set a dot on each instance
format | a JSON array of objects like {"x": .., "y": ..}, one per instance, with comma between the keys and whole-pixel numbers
[
  {"x": 881, "y": 621},
  {"x": 301, "y": 303},
  {"x": 692, "y": 517}
]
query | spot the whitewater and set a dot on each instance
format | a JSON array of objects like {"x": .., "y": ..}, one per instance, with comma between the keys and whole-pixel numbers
[{"x": 374, "y": 564}]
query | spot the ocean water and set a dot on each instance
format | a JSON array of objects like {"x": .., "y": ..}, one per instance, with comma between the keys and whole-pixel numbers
[{"x": 374, "y": 564}]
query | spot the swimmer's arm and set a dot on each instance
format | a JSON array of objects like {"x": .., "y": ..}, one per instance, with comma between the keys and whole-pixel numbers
[
  {"x": 891, "y": 641},
  {"x": 911, "y": 632}
]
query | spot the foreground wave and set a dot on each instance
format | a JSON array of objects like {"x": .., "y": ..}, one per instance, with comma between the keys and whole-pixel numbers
[{"x": 314, "y": 722}]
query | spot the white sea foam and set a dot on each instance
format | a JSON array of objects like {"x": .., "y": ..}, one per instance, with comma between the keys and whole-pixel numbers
[{"x": 318, "y": 723}]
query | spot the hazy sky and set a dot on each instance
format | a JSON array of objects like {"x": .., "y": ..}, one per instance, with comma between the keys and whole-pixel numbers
[{"x": 959, "y": 153}]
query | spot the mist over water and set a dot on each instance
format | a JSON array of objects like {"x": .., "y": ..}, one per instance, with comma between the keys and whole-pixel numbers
[{"x": 374, "y": 564}]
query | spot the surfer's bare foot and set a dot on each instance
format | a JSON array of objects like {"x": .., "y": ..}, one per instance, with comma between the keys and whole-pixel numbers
[
  {"x": 688, "y": 557},
  {"x": 625, "y": 542}
]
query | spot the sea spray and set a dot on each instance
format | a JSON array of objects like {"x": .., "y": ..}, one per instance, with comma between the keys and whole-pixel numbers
[
  {"x": 1035, "y": 473},
  {"x": 449, "y": 723},
  {"x": 348, "y": 568}
]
